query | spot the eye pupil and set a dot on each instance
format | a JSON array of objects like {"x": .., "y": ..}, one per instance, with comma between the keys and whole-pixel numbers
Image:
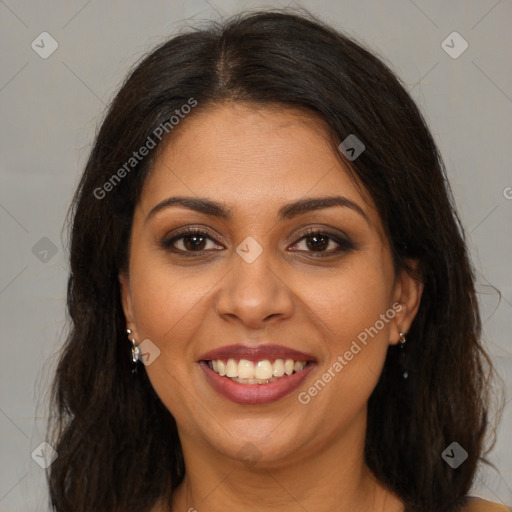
[
  {"x": 317, "y": 242},
  {"x": 197, "y": 240}
]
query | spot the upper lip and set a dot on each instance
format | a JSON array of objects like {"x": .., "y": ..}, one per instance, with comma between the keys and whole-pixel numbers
[{"x": 255, "y": 353}]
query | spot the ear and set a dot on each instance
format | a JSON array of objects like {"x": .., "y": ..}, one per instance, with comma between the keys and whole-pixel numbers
[
  {"x": 406, "y": 302},
  {"x": 126, "y": 300}
]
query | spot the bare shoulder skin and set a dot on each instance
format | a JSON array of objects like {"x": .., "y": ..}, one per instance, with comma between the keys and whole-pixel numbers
[{"x": 481, "y": 505}]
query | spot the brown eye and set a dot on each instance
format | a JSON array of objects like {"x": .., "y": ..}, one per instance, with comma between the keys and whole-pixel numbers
[
  {"x": 194, "y": 242},
  {"x": 317, "y": 242},
  {"x": 323, "y": 243},
  {"x": 191, "y": 241}
]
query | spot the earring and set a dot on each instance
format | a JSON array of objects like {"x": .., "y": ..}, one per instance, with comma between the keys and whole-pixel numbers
[
  {"x": 135, "y": 351},
  {"x": 403, "y": 365}
]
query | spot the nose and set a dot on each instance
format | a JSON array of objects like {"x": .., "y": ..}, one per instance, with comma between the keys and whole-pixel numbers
[{"x": 255, "y": 294}]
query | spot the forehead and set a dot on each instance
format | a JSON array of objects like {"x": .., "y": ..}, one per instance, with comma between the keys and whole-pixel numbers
[{"x": 251, "y": 157}]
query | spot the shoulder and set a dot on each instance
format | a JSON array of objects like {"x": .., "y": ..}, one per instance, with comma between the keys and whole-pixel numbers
[{"x": 481, "y": 505}]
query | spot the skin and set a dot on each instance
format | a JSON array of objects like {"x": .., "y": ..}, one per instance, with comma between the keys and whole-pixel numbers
[{"x": 254, "y": 161}]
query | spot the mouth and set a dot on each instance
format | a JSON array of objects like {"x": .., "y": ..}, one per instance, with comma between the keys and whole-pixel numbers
[{"x": 255, "y": 375}]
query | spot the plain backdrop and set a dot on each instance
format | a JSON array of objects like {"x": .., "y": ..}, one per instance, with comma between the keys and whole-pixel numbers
[{"x": 50, "y": 109}]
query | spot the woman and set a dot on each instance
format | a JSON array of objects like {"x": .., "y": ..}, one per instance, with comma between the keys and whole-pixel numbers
[{"x": 271, "y": 298}]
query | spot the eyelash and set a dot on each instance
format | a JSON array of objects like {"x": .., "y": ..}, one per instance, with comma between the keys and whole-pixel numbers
[{"x": 344, "y": 244}]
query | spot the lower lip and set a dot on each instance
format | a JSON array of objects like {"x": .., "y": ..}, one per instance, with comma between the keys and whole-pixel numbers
[{"x": 254, "y": 394}]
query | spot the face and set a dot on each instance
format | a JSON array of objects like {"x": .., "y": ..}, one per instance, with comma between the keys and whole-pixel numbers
[{"x": 254, "y": 268}]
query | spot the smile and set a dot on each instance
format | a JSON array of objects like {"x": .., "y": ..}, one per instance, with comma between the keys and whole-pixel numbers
[{"x": 249, "y": 374}]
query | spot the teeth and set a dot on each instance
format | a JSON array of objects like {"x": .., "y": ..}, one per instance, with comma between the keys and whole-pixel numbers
[
  {"x": 254, "y": 381},
  {"x": 245, "y": 369},
  {"x": 278, "y": 368},
  {"x": 231, "y": 368},
  {"x": 297, "y": 366},
  {"x": 261, "y": 372},
  {"x": 288, "y": 366}
]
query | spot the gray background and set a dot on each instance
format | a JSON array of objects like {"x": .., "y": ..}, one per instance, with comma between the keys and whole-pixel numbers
[{"x": 50, "y": 109}]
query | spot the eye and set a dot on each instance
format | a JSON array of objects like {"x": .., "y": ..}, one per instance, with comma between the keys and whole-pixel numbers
[
  {"x": 191, "y": 241},
  {"x": 323, "y": 243}
]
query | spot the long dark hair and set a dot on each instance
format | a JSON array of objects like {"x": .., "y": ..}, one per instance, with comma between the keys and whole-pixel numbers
[{"x": 118, "y": 447}]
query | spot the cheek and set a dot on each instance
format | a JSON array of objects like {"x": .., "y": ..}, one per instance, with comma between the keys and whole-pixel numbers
[
  {"x": 170, "y": 307},
  {"x": 353, "y": 301},
  {"x": 355, "y": 315},
  {"x": 163, "y": 298},
  {"x": 167, "y": 310}
]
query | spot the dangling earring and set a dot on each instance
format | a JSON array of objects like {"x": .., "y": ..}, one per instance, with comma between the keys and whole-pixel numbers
[
  {"x": 135, "y": 351},
  {"x": 403, "y": 365}
]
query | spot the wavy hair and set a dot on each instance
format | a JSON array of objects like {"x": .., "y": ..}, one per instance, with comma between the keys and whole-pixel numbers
[{"x": 101, "y": 412}]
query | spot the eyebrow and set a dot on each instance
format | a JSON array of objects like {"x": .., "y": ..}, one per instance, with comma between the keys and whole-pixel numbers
[{"x": 288, "y": 211}]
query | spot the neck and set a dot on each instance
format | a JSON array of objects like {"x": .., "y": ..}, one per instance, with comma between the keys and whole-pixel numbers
[{"x": 323, "y": 478}]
